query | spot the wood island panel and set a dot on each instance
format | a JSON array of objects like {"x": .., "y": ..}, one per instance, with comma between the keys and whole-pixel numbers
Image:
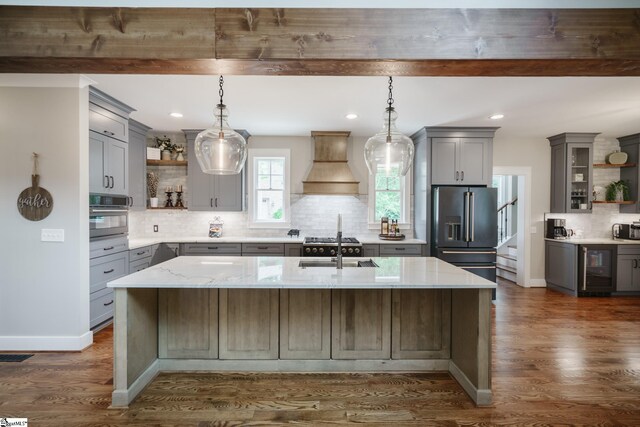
[
  {"x": 248, "y": 324},
  {"x": 421, "y": 323},
  {"x": 305, "y": 324},
  {"x": 361, "y": 323},
  {"x": 188, "y": 323}
]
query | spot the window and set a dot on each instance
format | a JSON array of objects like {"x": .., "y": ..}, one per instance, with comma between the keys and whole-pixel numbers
[
  {"x": 269, "y": 188},
  {"x": 389, "y": 196}
]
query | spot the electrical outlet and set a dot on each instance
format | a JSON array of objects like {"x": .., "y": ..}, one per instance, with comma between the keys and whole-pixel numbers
[
  {"x": 52, "y": 235},
  {"x": 155, "y": 228}
]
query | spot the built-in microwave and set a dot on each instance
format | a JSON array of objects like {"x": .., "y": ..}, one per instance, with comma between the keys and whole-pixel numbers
[{"x": 108, "y": 215}]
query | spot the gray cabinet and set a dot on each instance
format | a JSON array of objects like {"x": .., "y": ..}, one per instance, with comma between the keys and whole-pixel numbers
[
  {"x": 263, "y": 249},
  {"x": 141, "y": 258},
  {"x": 572, "y": 172},
  {"x": 293, "y": 249},
  {"x": 213, "y": 192},
  {"x": 630, "y": 144},
  {"x": 108, "y": 149},
  {"x": 248, "y": 324},
  {"x": 212, "y": 248},
  {"x": 369, "y": 250},
  {"x": 461, "y": 161},
  {"x": 401, "y": 250},
  {"x": 361, "y": 324},
  {"x": 164, "y": 252},
  {"x": 561, "y": 266},
  {"x": 137, "y": 165},
  {"x": 628, "y": 269},
  {"x": 108, "y": 165},
  {"x": 305, "y": 324}
]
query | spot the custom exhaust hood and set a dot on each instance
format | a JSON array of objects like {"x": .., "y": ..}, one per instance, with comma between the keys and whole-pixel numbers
[{"x": 330, "y": 173}]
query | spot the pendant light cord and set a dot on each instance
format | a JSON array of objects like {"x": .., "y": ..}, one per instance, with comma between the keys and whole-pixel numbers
[
  {"x": 389, "y": 109},
  {"x": 221, "y": 105}
]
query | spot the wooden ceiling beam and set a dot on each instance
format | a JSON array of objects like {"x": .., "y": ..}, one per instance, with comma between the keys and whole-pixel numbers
[{"x": 420, "y": 42}]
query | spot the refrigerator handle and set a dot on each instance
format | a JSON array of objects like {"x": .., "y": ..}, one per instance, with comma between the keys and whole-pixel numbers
[
  {"x": 472, "y": 220},
  {"x": 466, "y": 216}
]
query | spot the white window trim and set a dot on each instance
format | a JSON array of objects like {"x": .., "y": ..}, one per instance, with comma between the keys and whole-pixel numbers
[
  {"x": 405, "y": 222},
  {"x": 269, "y": 152}
]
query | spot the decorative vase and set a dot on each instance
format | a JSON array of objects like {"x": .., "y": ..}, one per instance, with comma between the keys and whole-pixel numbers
[
  {"x": 617, "y": 158},
  {"x": 180, "y": 157},
  {"x": 166, "y": 155},
  {"x": 153, "y": 202}
]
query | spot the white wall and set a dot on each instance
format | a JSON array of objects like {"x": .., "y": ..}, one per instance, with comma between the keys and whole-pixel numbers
[{"x": 44, "y": 287}]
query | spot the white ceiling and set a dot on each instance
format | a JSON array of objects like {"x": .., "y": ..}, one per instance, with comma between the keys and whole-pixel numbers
[{"x": 533, "y": 107}]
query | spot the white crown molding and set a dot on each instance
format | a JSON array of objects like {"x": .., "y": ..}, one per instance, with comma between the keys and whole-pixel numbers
[{"x": 45, "y": 80}]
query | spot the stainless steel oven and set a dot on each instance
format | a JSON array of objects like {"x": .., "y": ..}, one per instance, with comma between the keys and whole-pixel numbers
[{"x": 108, "y": 215}]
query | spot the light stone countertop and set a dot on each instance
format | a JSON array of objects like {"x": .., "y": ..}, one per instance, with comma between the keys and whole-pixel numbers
[
  {"x": 285, "y": 273},
  {"x": 596, "y": 241},
  {"x": 141, "y": 242}
]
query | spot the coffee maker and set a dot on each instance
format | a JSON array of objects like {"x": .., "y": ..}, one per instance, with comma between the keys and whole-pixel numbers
[{"x": 556, "y": 229}]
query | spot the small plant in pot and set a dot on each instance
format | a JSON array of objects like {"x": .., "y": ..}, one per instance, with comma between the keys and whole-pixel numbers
[
  {"x": 152, "y": 188},
  {"x": 617, "y": 191}
]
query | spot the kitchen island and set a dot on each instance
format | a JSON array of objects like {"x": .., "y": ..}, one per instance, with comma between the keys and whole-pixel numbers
[{"x": 270, "y": 314}]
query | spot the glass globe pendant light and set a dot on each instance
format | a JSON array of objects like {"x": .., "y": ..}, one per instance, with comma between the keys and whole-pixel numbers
[
  {"x": 220, "y": 150},
  {"x": 389, "y": 152}
]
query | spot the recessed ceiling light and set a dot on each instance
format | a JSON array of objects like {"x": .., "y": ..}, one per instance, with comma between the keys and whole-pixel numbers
[
  {"x": 176, "y": 115},
  {"x": 496, "y": 116},
  {"x": 351, "y": 116}
]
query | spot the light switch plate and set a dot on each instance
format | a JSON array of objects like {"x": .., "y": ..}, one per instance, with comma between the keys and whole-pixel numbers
[{"x": 52, "y": 235}]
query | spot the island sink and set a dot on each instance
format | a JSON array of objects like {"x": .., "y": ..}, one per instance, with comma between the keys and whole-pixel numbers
[{"x": 333, "y": 263}]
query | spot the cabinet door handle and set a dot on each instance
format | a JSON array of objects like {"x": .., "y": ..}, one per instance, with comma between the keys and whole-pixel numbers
[
  {"x": 457, "y": 175},
  {"x": 635, "y": 263},
  {"x": 462, "y": 176},
  {"x": 112, "y": 183},
  {"x": 108, "y": 132},
  {"x": 211, "y": 202},
  {"x": 106, "y": 177},
  {"x": 130, "y": 201},
  {"x": 108, "y": 303},
  {"x": 216, "y": 202},
  {"x": 109, "y": 271},
  {"x": 108, "y": 249}
]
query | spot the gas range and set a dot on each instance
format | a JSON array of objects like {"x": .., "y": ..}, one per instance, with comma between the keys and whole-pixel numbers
[{"x": 328, "y": 246}]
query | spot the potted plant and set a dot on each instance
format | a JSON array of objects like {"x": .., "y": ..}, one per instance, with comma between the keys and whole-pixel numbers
[
  {"x": 152, "y": 188},
  {"x": 165, "y": 145},
  {"x": 617, "y": 191}
]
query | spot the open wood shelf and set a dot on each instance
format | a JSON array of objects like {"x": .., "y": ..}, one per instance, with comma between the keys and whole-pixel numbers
[
  {"x": 167, "y": 162},
  {"x": 607, "y": 165},
  {"x": 603, "y": 202}
]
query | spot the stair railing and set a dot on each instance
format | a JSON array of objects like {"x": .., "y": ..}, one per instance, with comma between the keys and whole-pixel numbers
[{"x": 503, "y": 219}]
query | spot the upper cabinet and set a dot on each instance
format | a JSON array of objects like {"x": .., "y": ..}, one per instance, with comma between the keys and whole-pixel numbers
[
  {"x": 572, "y": 172},
  {"x": 137, "y": 167},
  {"x": 108, "y": 149},
  {"x": 630, "y": 144},
  {"x": 213, "y": 192},
  {"x": 461, "y": 161}
]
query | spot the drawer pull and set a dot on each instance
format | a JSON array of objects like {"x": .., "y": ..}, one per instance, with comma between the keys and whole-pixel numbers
[
  {"x": 212, "y": 247},
  {"x": 108, "y": 303},
  {"x": 140, "y": 253},
  {"x": 108, "y": 249},
  {"x": 263, "y": 247},
  {"x": 109, "y": 271},
  {"x": 469, "y": 252},
  {"x": 400, "y": 249},
  {"x": 108, "y": 133}
]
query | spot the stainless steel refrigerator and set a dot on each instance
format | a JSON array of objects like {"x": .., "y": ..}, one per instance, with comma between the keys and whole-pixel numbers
[{"x": 465, "y": 228}]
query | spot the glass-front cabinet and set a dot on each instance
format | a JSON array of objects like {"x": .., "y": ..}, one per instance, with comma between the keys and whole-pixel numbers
[{"x": 572, "y": 172}]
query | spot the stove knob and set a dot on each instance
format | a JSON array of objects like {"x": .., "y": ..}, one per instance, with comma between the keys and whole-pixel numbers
[
  {"x": 357, "y": 250},
  {"x": 344, "y": 250},
  {"x": 314, "y": 250},
  {"x": 307, "y": 250},
  {"x": 321, "y": 250},
  {"x": 333, "y": 252},
  {"x": 350, "y": 250}
]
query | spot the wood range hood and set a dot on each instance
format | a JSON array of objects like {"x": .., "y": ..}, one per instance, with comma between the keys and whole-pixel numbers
[{"x": 330, "y": 173}]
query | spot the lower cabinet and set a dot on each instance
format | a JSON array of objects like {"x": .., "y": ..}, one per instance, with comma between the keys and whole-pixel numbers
[
  {"x": 212, "y": 248},
  {"x": 628, "y": 269},
  {"x": 101, "y": 306},
  {"x": 265, "y": 249},
  {"x": 188, "y": 323},
  {"x": 248, "y": 324},
  {"x": 293, "y": 249},
  {"x": 109, "y": 260},
  {"x": 370, "y": 250},
  {"x": 561, "y": 266},
  {"x": 361, "y": 323},
  {"x": 421, "y": 324},
  {"x": 305, "y": 324}
]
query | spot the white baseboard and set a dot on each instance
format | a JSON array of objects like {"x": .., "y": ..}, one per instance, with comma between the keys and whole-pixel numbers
[
  {"x": 46, "y": 343},
  {"x": 537, "y": 283}
]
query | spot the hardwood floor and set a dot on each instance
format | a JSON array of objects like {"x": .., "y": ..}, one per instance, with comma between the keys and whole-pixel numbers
[{"x": 556, "y": 360}]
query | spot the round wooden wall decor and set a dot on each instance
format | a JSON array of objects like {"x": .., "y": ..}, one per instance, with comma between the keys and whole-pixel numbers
[{"x": 35, "y": 203}]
